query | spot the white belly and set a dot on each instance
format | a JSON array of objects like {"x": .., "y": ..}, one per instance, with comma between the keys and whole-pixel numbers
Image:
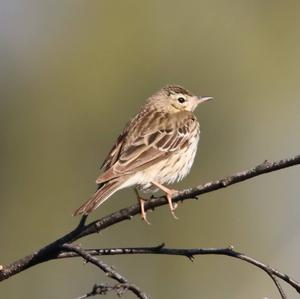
[{"x": 167, "y": 171}]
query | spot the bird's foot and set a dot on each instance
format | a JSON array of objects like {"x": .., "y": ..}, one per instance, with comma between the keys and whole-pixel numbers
[
  {"x": 169, "y": 194},
  {"x": 173, "y": 206},
  {"x": 143, "y": 212},
  {"x": 142, "y": 206}
]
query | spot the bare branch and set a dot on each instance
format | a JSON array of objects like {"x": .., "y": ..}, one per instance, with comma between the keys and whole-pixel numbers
[
  {"x": 53, "y": 250},
  {"x": 109, "y": 271},
  {"x": 103, "y": 289},
  {"x": 278, "y": 285},
  {"x": 191, "y": 253},
  {"x": 191, "y": 193}
]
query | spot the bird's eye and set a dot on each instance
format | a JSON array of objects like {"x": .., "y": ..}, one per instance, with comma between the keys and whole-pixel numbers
[{"x": 181, "y": 100}]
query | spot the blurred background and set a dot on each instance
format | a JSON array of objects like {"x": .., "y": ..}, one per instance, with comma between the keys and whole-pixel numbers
[{"x": 72, "y": 73}]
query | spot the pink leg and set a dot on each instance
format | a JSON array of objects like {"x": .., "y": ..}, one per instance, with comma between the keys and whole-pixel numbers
[
  {"x": 169, "y": 194},
  {"x": 142, "y": 206}
]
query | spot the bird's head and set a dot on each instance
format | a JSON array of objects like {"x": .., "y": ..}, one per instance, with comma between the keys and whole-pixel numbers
[{"x": 174, "y": 98}]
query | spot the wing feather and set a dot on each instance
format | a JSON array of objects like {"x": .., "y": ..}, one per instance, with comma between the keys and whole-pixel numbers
[{"x": 148, "y": 142}]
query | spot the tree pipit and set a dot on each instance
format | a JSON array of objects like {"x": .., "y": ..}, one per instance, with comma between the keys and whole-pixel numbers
[{"x": 157, "y": 147}]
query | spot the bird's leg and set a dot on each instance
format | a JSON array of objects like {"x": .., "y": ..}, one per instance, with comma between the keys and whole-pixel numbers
[
  {"x": 142, "y": 206},
  {"x": 169, "y": 194}
]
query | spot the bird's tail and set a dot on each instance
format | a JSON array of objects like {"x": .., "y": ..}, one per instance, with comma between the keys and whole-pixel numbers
[{"x": 99, "y": 197}]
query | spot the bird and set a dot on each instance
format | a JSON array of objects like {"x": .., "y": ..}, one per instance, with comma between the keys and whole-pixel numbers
[{"x": 157, "y": 147}]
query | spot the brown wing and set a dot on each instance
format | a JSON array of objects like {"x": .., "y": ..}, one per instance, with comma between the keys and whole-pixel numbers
[
  {"x": 114, "y": 152},
  {"x": 148, "y": 141}
]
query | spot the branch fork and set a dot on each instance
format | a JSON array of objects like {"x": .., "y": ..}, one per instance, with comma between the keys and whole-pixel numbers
[{"x": 62, "y": 247}]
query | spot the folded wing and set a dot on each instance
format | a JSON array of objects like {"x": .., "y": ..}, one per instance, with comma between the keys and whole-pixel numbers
[{"x": 143, "y": 144}]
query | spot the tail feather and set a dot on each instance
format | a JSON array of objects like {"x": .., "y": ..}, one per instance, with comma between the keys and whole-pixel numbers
[{"x": 99, "y": 197}]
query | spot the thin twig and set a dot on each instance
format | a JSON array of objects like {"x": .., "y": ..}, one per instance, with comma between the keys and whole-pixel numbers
[
  {"x": 109, "y": 271},
  {"x": 191, "y": 253},
  {"x": 52, "y": 250},
  {"x": 103, "y": 289},
  {"x": 278, "y": 285}
]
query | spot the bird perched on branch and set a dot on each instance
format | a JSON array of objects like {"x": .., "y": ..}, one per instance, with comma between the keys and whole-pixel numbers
[{"x": 157, "y": 147}]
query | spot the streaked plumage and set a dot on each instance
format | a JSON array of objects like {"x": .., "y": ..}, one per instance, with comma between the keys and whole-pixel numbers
[{"x": 157, "y": 147}]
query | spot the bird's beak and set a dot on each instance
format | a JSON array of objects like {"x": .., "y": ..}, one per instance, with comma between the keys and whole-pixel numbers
[{"x": 204, "y": 99}]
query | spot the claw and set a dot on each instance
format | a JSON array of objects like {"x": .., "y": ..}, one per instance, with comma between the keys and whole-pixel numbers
[
  {"x": 142, "y": 206},
  {"x": 169, "y": 194},
  {"x": 143, "y": 213},
  {"x": 171, "y": 205}
]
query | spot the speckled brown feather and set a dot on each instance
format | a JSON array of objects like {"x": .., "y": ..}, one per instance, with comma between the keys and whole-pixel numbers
[{"x": 148, "y": 139}]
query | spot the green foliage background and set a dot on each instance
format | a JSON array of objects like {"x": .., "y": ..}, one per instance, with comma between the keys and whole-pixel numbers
[{"x": 73, "y": 72}]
